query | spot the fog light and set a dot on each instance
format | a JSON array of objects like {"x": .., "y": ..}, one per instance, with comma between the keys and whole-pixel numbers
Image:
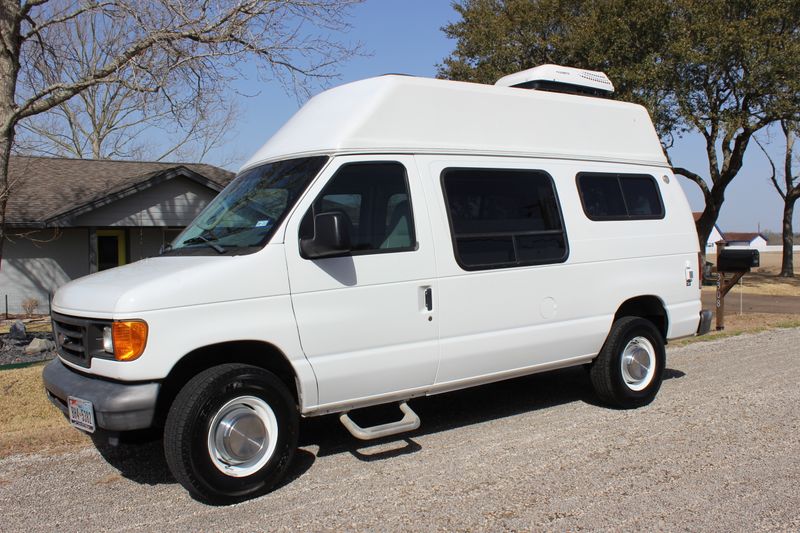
[
  {"x": 129, "y": 337},
  {"x": 108, "y": 341}
]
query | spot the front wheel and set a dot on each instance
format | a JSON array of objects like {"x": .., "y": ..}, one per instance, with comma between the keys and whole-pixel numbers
[
  {"x": 629, "y": 369},
  {"x": 231, "y": 433}
]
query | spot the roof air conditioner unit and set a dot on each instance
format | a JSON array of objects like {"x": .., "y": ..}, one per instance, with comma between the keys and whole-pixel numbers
[{"x": 556, "y": 78}]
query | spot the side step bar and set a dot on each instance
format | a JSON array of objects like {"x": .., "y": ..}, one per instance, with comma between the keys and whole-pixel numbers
[{"x": 410, "y": 422}]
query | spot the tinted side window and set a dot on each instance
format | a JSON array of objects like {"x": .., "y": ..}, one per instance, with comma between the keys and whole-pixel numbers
[
  {"x": 375, "y": 200},
  {"x": 620, "y": 196},
  {"x": 503, "y": 218}
]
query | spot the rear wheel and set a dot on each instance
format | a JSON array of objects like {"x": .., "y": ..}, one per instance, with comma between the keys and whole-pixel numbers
[
  {"x": 629, "y": 369},
  {"x": 231, "y": 433}
]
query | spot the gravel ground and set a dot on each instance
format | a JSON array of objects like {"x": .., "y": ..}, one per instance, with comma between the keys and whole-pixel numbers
[{"x": 718, "y": 450}]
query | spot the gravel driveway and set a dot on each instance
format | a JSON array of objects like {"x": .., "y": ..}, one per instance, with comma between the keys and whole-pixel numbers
[{"x": 718, "y": 450}]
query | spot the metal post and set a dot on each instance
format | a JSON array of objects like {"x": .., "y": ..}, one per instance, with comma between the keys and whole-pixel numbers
[
  {"x": 724, "y": 285},
  {"x": 741, "y": 296},
  {"x": 720, "y": 312},
  {"x": 6, "y": 306}
]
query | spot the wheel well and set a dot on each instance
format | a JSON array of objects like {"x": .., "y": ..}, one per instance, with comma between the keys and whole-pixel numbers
[
  {"x": 256, "y": 353},
  {"x": 648, "y": 307}
]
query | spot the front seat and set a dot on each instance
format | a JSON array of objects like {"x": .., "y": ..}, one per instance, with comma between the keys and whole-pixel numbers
[{"x": 398, "y": 231}]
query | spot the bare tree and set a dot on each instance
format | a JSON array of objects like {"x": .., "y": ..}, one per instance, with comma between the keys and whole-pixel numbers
[
  {"x": 789, "y": 191},
  {"x": 173, "y": 51},
  {"x": 117, "y": 122}
]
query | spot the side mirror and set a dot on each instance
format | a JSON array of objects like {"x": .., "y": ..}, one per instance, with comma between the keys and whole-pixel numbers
[{"x": 331, "y": 237}]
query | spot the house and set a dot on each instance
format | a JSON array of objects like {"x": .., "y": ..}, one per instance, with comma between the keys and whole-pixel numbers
[
  {"x": 756, "y": 241},
  {"x": 716, "y": 235},
  {"x": 70, "y": 217}
]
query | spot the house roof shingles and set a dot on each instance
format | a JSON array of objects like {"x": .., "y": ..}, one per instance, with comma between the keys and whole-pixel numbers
[{"x": 44, "y": 187}]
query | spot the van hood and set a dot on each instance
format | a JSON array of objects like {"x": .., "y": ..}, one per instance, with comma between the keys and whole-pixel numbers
[{"x": 175, "y": 281}]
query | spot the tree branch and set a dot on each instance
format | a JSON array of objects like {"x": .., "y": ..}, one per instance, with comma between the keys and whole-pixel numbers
[
  {"x": 696, "y": 178},
  {"x": 38, "y": 28},
  {"x": 773, "y": 178}
]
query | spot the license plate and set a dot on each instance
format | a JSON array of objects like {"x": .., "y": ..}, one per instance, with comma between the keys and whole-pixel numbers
[{"x": 81, "y": 414}]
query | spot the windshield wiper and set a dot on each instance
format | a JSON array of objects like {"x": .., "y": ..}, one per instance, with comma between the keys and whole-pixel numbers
[{"x": 200, "y": 239}]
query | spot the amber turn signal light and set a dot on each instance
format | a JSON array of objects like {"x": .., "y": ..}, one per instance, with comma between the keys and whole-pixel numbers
[{"x": 130, "y": 337}]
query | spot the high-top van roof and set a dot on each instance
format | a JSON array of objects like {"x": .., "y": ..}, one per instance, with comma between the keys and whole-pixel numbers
[{"x": 404, "y": 114}]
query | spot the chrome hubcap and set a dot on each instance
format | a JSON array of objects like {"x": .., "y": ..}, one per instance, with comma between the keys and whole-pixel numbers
[
  {"x": 242, "y": 436},
  {"x": 638, "y": 363}
]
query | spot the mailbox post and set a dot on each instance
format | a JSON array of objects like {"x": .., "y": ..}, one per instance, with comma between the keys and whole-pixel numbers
[{"x": 736, "y": 263}]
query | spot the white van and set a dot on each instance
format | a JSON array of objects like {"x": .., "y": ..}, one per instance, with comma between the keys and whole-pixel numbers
[{"x": 398, "y": 237}]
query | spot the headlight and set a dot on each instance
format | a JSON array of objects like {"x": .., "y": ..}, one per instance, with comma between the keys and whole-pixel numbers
[
  {"x": 108, "y": 341},
  {"x": 129, "y": 338}
]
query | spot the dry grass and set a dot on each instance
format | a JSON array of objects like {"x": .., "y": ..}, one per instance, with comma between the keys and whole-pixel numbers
[
  {"x": 764, "y": 283},
  {"x": 746, "y": 323},
  {"x": 770, "y": 262},
  {"x": 28, "y": 421},
  {"x": 32, "y": 325}
]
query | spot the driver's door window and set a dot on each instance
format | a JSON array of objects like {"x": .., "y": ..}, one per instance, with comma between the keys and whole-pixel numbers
[{"x": 374, "y": 199}]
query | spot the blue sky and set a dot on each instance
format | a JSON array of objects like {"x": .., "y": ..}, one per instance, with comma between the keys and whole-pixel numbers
[{"x": 404, "y": 36}]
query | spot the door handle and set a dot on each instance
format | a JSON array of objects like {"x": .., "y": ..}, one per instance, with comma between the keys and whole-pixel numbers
[{"x": 429, "y": 299}]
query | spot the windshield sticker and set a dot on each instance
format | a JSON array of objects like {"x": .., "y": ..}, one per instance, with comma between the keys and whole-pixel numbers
[{"x": 262, "y": 223}]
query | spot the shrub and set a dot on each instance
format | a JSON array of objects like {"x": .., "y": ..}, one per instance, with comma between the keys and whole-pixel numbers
[{"x": 29, "y": 305}]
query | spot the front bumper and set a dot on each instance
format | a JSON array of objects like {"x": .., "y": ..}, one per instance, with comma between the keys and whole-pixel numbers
[{"x": 117, "y": 406}]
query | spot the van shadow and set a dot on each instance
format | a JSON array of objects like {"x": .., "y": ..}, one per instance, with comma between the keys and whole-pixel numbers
[
  {"x": 452, "y": 410},
  {"x": 342, "y": 269},
  {"x": 141, "y": 459}
]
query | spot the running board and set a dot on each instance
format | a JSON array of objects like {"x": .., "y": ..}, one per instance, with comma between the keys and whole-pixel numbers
[{"x": 410, "y": 422}]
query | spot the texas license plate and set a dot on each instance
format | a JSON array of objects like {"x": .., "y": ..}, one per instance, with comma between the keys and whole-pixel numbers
[{"x": 81, "y": 414}]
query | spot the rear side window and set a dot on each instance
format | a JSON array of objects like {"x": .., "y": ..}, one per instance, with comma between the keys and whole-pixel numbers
[
  {"x": 503, "y": 218},
  {"x": 620, "y": 196}
]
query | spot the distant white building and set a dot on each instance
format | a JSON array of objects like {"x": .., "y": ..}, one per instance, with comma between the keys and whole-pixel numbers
[{"x": 753, "y": 240}]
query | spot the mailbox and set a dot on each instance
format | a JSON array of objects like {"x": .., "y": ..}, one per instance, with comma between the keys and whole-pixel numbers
[{"x": 737, "y": 260}]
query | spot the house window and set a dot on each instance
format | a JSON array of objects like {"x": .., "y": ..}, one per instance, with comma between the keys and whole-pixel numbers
[
  {"x": 620, "y": 196},
  {"x": 375, "y": 201},
  {"x": 503, "y": 218}
]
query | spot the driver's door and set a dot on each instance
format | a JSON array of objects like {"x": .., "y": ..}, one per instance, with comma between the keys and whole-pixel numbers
[{"x": 365, "y": 323}]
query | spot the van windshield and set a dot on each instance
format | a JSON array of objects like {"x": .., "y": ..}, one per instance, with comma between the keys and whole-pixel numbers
[{"x": 243, "y": 217}]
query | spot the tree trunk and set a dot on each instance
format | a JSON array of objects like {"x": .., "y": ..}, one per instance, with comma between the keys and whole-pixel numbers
[
  {"x": 705, "y": 224},
  {"x": 6, "y": 138},
  {"x": 787, "y": 265},
  {"x": 10, "y": 16}
]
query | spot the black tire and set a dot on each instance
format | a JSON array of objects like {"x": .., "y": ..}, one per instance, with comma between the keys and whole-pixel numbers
[
  {"x": 614, "y": 381},
  {"x": 188, "y": 444}
]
